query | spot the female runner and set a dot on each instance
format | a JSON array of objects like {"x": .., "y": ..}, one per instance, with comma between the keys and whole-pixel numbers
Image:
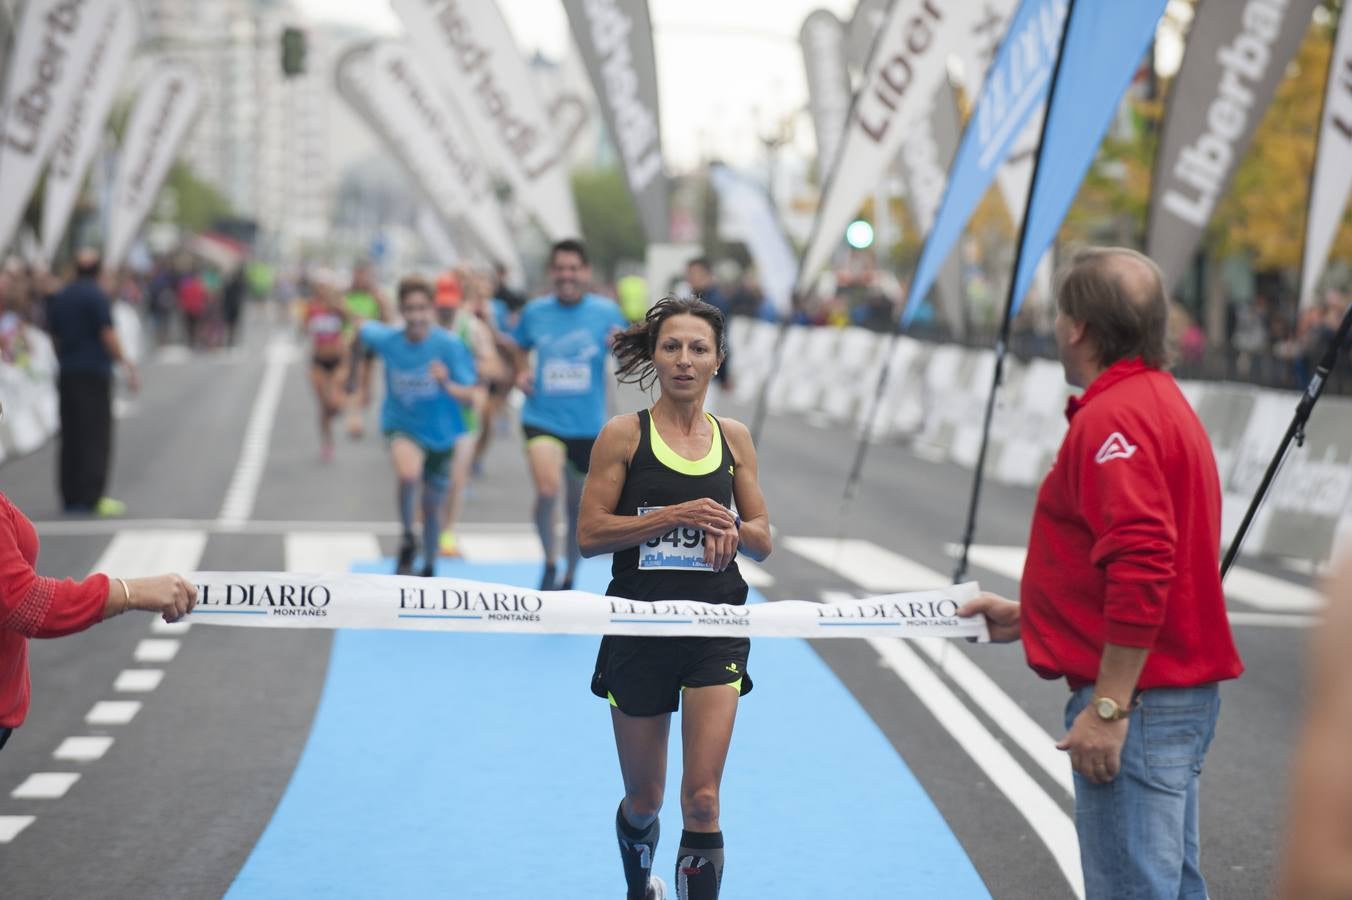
[{"x": 659, "y": 496}]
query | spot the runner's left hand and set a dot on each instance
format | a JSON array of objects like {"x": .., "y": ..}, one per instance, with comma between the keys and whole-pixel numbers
[{"x": 720, "y": 547}]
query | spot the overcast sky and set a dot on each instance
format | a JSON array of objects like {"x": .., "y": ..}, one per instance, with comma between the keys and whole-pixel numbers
[{"x": 727, "y": 69}]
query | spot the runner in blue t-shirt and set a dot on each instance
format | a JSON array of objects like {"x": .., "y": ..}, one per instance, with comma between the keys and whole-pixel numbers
[
  {"x": 429, "y": 374},
  {"x": 569, "y": 332}
]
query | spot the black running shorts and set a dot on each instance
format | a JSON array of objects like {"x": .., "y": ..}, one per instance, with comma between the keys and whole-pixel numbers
[
  {"x": 643, "y": 676},
  {"x": 577, "y": 450}
]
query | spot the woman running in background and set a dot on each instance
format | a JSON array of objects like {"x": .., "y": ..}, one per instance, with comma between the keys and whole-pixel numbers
[{"x": 324, "y": 324}]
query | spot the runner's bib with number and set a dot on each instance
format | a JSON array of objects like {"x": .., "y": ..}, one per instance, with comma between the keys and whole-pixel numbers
[
  {"x": 680, "y": 549},
  {"x": 563, "y": 376}
]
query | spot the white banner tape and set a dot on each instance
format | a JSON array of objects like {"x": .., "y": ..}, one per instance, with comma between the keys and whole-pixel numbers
[{"x": 294, "y": 600}]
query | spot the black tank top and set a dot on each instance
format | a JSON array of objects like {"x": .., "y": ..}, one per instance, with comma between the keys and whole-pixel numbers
[{"x": 670, "y": 567}]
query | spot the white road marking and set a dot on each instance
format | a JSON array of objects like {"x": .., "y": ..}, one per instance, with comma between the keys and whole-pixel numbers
[
  {"x": 1272, "y": 620},
  {"x": 113, "y": 712},
  {"x": 1252, "y": 588},
  {"x": 79, "y": 527},
  {"x": 754, "y": 574},
  {"x": 133, "y": 554},
  {"x": 83, "y": 749},
  {"x": 243, "y": 490},
  {"x": 138, "y": 681},
  {"x": 519, "y": 546},
  {"x": 866, "y": 564},
  {"x": 45, "y": 786},
  {"x": 1048, "y": 820},
  {"x": 11, "y": 826},
  {"x": 990, "y": 697},
  {"x": 1270, "y": 594},
  {"x": 153, "y": 650},
  {"x": 329, "y": 551}
]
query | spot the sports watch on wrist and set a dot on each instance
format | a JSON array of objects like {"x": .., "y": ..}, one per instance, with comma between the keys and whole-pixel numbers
[{"x": 1107, "y": 709}]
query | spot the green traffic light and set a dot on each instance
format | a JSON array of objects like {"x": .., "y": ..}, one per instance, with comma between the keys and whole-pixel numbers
[{"x": 859, "y": 235}]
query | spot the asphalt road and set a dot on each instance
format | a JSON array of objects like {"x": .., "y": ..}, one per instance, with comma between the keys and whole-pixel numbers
[{"x": 175, "y": 803}]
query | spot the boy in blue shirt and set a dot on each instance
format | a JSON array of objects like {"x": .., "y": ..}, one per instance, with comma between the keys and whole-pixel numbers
[
  {"x": 570, "y": 332},
  {"x": 429, "y": 375}
]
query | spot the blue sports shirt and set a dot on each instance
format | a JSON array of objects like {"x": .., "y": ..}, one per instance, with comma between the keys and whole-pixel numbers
[
  {"x": 415, "y": 404},
  {"x": 571, "y": 344}
]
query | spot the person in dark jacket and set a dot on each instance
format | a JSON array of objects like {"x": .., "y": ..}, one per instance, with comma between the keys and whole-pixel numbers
[{"x": 80, "y": 321}]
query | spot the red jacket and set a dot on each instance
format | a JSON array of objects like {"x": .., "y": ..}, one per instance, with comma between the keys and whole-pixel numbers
[
  {"x": 33, "y": 606},
  {"x": 1125, "y": 542}
]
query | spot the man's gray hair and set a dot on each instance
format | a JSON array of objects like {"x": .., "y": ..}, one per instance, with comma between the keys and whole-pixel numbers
[{"x": 1117, "y": 294}]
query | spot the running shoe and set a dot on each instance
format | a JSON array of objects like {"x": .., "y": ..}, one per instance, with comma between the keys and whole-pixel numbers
[
  {"x": 408, "y": 548},
  {"x": 657, "y": 888},
  {"x": 565, "y": 585},
  {"x": 448, "y": 545},
  {"x": 429, "y": 570},
  {"x": 108, "y": 508},
  {"x": 547, "y": 579}
]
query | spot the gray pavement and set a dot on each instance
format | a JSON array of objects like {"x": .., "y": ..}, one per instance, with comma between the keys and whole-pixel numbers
[{"x": 177, "y": 802}]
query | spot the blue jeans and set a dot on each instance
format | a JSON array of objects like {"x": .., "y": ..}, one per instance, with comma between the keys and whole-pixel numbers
[{"x": 1138, "y": 833}]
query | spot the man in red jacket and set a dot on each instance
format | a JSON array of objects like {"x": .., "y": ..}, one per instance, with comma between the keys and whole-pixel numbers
[{"x": 1121, "y": 591}]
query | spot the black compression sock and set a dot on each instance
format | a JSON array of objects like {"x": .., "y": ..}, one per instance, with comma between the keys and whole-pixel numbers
[
  {"x": 637, "y": 846},
  {"x": 699, "y": 865}
]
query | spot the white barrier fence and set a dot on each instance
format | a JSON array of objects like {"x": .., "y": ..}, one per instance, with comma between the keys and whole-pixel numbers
[
  {"x": 28, "y": 385},
  {"x": 935, "y": 401},
  {"x": 28, "y": 394}
]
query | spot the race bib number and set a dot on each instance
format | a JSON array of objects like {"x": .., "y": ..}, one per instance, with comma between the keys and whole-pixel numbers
[
  {"x": 680, "y": 549},
  {"x": 561, "y": 376}
]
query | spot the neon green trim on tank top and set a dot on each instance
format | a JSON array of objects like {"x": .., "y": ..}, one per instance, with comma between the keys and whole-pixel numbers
[{"x": 678, "y": 463}]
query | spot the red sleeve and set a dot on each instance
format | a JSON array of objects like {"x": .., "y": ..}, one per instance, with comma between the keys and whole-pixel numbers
[
  {"x": 1126, "y": 505},
  {"x": 42, "y": 607}
]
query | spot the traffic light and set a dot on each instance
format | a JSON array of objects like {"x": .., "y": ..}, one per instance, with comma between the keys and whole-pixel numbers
[
  {"x": 859, "y": 235},
  {"x": 293, "y": 52}
]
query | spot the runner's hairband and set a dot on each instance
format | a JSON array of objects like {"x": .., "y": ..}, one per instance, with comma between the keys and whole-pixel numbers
[{"x": 347, "y": 600}]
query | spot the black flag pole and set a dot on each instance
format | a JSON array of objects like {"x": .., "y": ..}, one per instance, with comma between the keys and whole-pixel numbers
[
  {"x": 1002, "y": 343},
  {"x": 1294, "y": 432}
]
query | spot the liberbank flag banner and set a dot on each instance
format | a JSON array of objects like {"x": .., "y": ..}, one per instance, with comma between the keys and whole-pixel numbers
[
  {"x": 100, "y": 78},
  {"x": 466, "y": 46},
  {"x": 826, "y": 65},
  {"x": 164, "y": 111},
  {"x": 750, "y": 206},
  {"x": 1016, "y": 88},
  {"x": 1100, "y": 53},
  {"x": 615, "y": 38},
  {"x": 293, "y": 600},
  {"x": 384, "y": 83},
  {"x": 1236, "y": 54},
  {"x": 51, "y": 44},
  {"x": 909, "y": 61},
  {"x": 1333, "y": 164}
]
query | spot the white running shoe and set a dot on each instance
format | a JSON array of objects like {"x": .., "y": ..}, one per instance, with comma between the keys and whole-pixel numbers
[{"x": 657, "y": 888}]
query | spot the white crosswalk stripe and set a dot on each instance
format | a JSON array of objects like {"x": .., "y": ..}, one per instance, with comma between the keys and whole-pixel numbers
[
  {"x": 866, "y": 564},
  {"x": 329, "y": 551}
]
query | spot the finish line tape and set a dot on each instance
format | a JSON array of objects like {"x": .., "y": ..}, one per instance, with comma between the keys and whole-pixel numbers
[{"x": 294, "y": 600}]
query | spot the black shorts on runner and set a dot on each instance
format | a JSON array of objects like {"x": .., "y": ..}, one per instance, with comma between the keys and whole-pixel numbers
[
  {"x": 578, "y": 450},
  {"x": 644, "y": 676}
]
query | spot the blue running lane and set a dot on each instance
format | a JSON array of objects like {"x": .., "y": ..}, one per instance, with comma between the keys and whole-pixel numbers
[{"x": 475, "y": 766}]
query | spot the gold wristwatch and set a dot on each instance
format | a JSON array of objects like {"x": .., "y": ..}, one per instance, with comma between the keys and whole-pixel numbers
[{"x": 1107, "y": 709}]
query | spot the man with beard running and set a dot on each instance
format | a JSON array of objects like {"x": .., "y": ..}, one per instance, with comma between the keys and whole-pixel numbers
[{"x": 569, "y": 331}]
